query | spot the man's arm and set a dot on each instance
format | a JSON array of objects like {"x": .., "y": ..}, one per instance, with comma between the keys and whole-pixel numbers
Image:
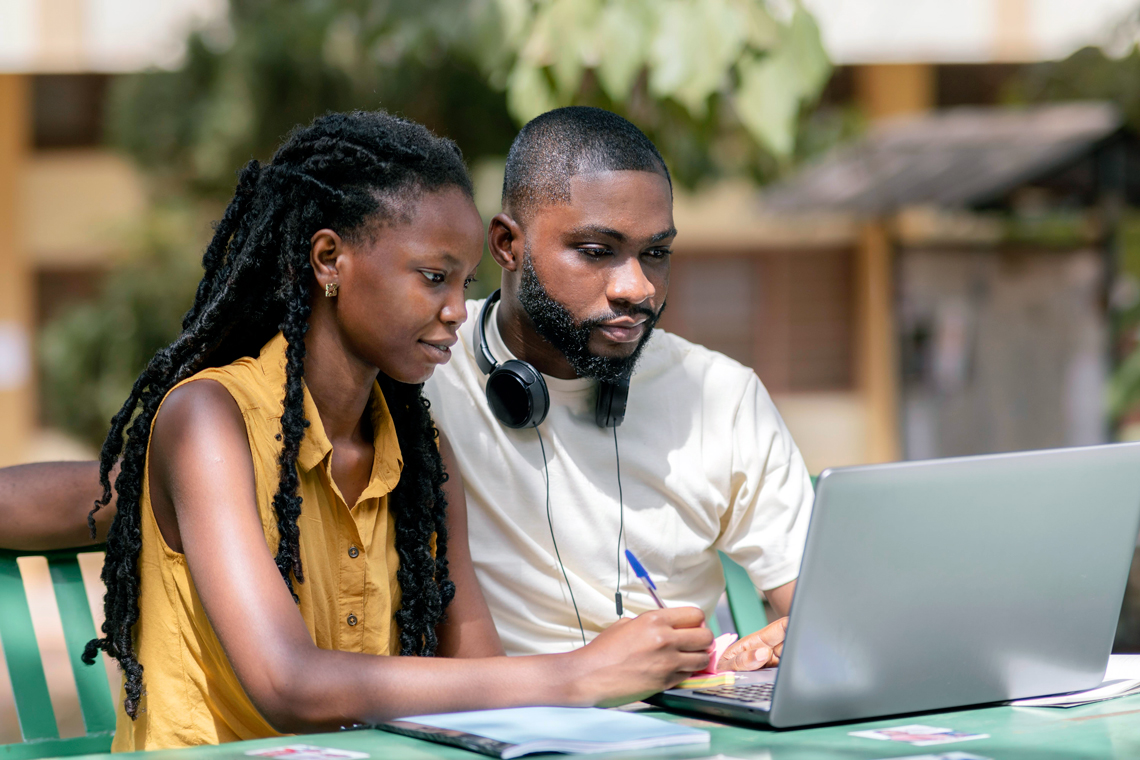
[
  {"x": 45, "y": 505},
  {"x": 781, "y": 598}
]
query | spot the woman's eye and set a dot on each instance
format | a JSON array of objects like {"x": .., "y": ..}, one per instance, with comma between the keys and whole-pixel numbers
[{"x": 435, "y": 278}]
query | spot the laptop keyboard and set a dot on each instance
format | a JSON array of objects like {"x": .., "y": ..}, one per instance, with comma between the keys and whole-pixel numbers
[{"x": 757, "y": 692}]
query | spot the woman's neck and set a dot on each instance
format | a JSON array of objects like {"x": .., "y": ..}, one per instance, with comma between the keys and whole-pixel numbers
[{"x": 339, "y": 383}]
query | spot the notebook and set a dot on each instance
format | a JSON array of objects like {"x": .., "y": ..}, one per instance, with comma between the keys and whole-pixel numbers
[{"x": 522, "y": 731}]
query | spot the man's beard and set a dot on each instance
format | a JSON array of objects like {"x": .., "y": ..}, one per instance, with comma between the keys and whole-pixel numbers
[{"x": 555, "y": 323}]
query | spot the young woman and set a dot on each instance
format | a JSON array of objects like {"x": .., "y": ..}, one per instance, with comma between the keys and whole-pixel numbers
[{"x": 284, "y": 514}]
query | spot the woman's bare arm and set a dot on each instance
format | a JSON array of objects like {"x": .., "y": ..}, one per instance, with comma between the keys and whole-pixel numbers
[
  {"x": 201, "y": 468},
  {"x": 467, "y": 629},
  {"x": 45, "y": 505}
]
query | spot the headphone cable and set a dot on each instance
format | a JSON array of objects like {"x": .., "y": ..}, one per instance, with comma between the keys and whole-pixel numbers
[
  {"x": 621, "y": 525},
  {"x": 550, "y": 522}
]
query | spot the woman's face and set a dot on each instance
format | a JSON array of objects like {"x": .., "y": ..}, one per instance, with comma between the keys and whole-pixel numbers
[{"x": 401, "y": 298}]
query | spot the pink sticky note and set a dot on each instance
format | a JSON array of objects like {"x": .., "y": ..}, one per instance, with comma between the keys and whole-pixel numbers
[{"x": 719, "y": 646}]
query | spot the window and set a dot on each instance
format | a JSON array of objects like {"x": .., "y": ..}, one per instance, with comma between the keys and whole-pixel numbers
[{"x": 789, "y": 315}]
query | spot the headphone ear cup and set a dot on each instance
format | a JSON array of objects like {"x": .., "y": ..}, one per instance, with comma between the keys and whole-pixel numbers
[
  {"x": 517, "y": 394},
  {"x": 610, "y": 408}
]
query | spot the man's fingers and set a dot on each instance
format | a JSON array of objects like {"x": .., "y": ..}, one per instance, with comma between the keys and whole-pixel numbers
[
  {"x": 756, "y": 650},
  {"x": 753, "y": 659},
  {"x": 774, "y": 633}
]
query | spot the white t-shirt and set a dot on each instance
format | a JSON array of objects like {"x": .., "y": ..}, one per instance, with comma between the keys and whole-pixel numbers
[{"x": 706, "y": 464}]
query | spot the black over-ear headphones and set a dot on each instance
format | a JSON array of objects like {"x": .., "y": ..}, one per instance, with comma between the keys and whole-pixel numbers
[
  {"x": 517, "y": 393},
  {"x": 519, "y": 398}
]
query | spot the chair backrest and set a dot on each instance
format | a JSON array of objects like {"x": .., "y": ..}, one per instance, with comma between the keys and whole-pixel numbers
[
  {"x": 26, "y": 669},
  {"x": 747, "y": 610}
]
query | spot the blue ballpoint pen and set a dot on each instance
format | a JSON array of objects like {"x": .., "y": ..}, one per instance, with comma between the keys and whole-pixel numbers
[{"x": 644, "y": 576}]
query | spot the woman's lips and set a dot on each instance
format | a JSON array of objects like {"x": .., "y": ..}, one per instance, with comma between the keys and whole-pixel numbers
[{"x": 439, "y": 352}]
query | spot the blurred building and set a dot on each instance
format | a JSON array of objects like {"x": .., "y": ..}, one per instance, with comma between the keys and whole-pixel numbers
[
  {"x": 812, "y": 304},
  {"x": 1002, "y": 224},
  {"x": 65, "y": 201},
  {"x": 865, "y": 322}
]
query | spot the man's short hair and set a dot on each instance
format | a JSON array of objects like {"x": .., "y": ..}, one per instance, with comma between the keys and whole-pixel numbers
[{"x": 564, "y": 142}]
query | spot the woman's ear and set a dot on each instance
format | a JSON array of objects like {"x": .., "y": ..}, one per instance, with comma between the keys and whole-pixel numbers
[
  {"x": 506, "y": 241},
  {"x": 325, "y": 248}
]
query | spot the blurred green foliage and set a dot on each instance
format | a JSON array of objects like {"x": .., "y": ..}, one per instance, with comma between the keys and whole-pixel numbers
[
  {"x": 92, "y": 354},
  {"x": 722, "y": 86},
  {"x": 1088, "y": 74},
  {"x": 719, "y": 85}
]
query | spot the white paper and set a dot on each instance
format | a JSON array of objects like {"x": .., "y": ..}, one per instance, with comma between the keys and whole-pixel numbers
[{"x": 1121, "y": 678}]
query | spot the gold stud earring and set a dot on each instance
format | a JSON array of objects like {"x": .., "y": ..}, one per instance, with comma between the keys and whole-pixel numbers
[{"x": 331, "y": 289}]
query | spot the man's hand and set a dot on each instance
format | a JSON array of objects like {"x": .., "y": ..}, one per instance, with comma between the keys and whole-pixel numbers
[{"x": 758, "y": 650}]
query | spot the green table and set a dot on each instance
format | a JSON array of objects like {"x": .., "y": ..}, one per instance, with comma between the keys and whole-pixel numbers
[{"x": 1105, "y": 729}]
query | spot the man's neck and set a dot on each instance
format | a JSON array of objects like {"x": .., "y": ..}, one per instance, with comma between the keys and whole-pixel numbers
[{"x": 522, "y": 339}]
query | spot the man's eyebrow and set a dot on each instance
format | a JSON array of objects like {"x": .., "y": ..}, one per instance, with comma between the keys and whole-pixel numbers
[
  {"x": 598, "y": 230},
  {"x": 591, "y": 230}
]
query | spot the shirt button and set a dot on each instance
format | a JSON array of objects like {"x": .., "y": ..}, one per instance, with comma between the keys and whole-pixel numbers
[
  {"x": 353, "y": 552},
  {"x": 352, "y": 619}
]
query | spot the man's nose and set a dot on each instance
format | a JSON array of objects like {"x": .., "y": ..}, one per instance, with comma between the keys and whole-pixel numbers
[{"x": 629, "y": 283}]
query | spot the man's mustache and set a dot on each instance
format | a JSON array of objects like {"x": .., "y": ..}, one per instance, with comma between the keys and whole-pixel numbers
[{"x": 650, "y": 315}]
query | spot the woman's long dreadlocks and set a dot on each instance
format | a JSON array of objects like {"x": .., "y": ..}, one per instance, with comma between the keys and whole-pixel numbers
[{"x": 341, "y": 172}]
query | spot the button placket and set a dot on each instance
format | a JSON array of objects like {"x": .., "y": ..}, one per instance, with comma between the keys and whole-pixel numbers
[{"x": 352, "y": 574}]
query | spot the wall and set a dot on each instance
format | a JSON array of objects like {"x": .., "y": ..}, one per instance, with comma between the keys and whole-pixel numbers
[{"x": 1002, "y": 350}]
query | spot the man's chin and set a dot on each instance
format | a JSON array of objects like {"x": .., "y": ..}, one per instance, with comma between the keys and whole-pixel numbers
[{"x": 601, "y": 348}]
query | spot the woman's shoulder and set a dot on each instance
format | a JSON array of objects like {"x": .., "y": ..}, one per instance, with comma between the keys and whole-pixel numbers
[
  {"x": 244, "y": 380},
  {"x": 199, "y": 398}
]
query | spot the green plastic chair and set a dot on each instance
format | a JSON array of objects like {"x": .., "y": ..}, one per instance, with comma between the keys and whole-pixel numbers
[
  {"x": 26, "y": 669},
  {"x": 743, "y": 602}
]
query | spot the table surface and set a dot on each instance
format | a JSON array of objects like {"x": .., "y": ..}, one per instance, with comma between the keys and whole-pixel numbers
[{"x": 1104, "y": 729}]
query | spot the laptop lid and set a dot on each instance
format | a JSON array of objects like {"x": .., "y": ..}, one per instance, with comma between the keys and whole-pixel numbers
[{"x": 928, "y": 585}]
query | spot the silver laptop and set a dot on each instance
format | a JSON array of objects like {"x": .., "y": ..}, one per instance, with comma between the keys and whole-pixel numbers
[{"x": 929, "y": 585}]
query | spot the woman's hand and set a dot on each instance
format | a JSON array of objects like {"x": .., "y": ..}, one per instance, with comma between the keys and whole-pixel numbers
[
  {"x": 636, "y": 657},
  {"x": 757, "y": 650}
]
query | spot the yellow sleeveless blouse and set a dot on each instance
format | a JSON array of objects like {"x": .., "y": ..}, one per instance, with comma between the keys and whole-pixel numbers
[{"x": 348, "y": 599}]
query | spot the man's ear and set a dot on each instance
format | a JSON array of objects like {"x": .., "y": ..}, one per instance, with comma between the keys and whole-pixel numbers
[
  {"x": 506, "y": 241},
  {"x": 325, "y": 248}
]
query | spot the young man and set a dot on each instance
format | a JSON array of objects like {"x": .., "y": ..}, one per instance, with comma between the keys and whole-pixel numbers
[{"x": 702, "y": 461}]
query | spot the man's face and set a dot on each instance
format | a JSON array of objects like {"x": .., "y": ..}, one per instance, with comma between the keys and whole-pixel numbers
[{"x": 596, "y": 270}]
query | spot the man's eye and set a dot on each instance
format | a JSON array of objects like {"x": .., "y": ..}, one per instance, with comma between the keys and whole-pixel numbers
[
  {"x": 468, "y": 282},
  {"x": 435, "y": 278},
  {"x": 595, "y": 252},
  {"x": 659, "y": 253}
]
